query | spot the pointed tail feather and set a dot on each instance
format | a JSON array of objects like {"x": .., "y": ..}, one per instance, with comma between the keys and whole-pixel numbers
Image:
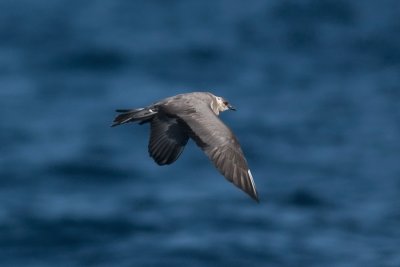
[{"x": 132, "y": 115}]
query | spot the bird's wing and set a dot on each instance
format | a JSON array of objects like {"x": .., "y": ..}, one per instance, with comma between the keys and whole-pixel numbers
[
  {"x": 217, "y": 141},
  {"x": 167, "y": 139}
]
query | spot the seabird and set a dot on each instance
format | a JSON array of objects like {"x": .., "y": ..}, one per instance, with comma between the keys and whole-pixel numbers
[{"x": 175, "y": 119}]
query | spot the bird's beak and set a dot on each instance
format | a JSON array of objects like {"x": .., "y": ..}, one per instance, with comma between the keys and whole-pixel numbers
[{"x": 231, "y": 107}]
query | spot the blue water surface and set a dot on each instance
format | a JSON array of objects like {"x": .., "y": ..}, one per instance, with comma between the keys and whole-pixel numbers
[{"x": 317, "y": 88}]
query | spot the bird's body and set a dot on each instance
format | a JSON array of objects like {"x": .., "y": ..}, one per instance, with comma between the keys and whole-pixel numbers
[{"x": 175, "y": 119}]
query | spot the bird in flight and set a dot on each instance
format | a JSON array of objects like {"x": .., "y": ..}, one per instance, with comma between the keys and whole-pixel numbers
[{"x": 175, "y": 119}]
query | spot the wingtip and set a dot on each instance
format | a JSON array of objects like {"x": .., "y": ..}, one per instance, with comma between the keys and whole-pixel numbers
[
  {"x": 254, "y": 195},
  {"x": 122, "y": 110},
  {"x": 115, "y": 123},
  {"x": 256, "y": 198}
]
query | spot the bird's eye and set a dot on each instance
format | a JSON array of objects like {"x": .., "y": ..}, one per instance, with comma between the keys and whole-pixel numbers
[{"x": 225, "y": 103}]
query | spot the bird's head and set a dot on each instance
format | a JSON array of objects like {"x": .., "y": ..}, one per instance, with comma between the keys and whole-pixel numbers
[{"x": 222, "y": 105}]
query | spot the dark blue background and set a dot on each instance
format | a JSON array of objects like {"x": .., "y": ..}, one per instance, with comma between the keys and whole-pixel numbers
[{"x": 316, "y": 85}]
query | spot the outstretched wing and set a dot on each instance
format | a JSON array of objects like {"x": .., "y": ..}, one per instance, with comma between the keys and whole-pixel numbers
[
  {"x": 167, "y": 139},
  {"x": 218, "y": 142}
]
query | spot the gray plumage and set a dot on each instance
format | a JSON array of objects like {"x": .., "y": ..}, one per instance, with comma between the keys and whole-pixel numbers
[{"x": 193, "y": 115}]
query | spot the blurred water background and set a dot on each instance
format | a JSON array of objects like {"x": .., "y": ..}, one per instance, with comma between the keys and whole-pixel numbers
[{"x": 316, "y": 85}]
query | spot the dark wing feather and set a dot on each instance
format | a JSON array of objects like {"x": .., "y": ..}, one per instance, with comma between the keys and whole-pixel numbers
[
  {"x": 218, "y": 142},
  {"x": 167, "y": 139}
]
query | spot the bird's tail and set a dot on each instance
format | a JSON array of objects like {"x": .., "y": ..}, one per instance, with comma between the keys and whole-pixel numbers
[{"x": 131, "y": 115}]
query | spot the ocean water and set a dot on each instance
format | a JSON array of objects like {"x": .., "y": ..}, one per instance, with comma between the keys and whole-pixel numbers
[{"x": 317, "y": 89}]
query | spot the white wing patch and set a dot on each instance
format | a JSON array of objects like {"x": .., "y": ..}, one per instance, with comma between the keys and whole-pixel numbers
[{"x": 251, "y": 180}]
